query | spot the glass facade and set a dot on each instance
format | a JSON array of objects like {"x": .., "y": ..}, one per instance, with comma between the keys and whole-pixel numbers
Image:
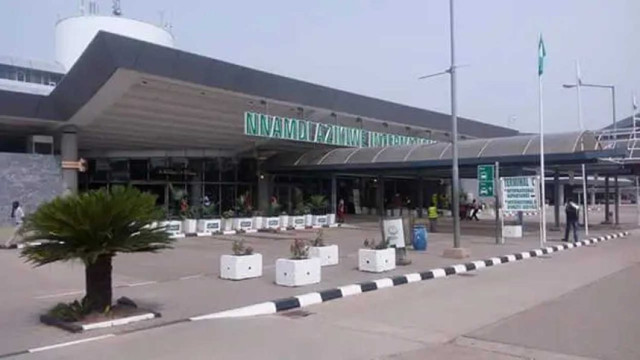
[{"x": 218, "y": 181}]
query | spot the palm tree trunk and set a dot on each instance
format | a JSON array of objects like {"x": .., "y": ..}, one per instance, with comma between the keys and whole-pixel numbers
[{"x": 98, "y": 283}]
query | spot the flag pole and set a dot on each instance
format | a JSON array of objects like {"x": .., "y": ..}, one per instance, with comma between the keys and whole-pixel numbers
[
  {"x": 585, "y": 207},
  {"x": 543, "y": 214}
]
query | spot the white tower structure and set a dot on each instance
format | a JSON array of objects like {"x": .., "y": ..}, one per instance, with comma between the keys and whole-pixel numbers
[{"x": 73, "y": 34}]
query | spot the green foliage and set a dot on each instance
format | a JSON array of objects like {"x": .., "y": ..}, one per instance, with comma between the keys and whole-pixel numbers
[
  {"x": 319, "y": 240},
  {"x": 239, "y": 249},
  {"x": 274, "y": 209},
  {"x": 99, "y": 222},
  {"x": 383, "y": 244},
  {"x": 228, "y": 214},
  {"x": 318, "y": 204},
  {"x": 299, "y": 250},
  {"x": 208, "y": 212},
  {"x": 71, "y": 312}
]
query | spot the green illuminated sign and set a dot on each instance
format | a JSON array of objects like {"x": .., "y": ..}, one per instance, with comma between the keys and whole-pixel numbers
[{"x": 276, "y": 127}]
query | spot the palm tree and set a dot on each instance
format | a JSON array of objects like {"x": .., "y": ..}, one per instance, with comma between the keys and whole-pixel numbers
[{"x": 93, "y": 227}]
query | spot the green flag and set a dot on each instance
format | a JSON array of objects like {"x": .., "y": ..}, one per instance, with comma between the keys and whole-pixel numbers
[{"x": 542, "y": 53}]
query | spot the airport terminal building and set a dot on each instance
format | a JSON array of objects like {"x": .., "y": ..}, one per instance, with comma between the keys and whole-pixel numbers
[{"x": 144, "y": 113}]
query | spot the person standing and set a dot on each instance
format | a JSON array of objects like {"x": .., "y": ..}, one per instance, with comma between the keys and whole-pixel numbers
[
  {"x": 340, "y": 213},
  {"x": 571, "y": 210},
  {"x": 17, "y": 217},
  {"x": 433, "y": 218}
]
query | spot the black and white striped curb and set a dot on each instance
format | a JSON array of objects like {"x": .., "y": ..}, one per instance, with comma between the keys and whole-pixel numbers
[{"x": 272, "y": 307}]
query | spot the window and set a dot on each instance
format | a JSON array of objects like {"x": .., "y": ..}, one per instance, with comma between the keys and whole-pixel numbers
[
  {"x": 119, "y": 170},
  {"x": 228, "y": 169},
  {"x": 212, "y": 170},
  {"x": 138, "y": 169},
  {"x": 247, "y": 170},
  {"x": 21, "y": 76}
]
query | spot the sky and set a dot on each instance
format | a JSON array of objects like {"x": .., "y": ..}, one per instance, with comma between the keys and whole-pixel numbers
[{"x": 380, "y": 47}]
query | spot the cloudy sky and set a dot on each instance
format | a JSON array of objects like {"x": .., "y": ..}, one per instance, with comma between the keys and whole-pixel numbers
[{"x": 380, "y": 47}]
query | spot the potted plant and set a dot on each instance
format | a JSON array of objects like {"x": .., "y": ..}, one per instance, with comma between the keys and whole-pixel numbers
[
  {"x": 243, "y": 221},
  {"x": 190, "y": 220},
  {"x": 300, "y": 269},
  {"x": 376, "y": 257},
  {"x": 318, "y": 205},
  {"x": 328, "y": 254},
  {"x": 227, "y": 218},
  {"x": 172, "y": 227},
  {"x": 273, "y": 218},
  {"x": 207, "y": 224},
  {"x": 308, "y": 218},
  {"x": 284, "y": 220},
  {"x": 297, "y": 220},
  {"x": 243, "y": 264},
  {"x": 258, "y": 220}
]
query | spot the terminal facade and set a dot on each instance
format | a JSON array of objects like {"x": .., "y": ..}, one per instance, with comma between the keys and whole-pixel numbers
[{"x": 144, "y": 113}]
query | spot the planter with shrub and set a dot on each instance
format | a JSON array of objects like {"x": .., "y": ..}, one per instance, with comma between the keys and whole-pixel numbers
[
  {"x": 227, "y": 222},
  {"x": 376, "y": 257},
  {"x": 298, "y": 270},
  {"x": 243, "y": 264},
  {"x": 328, "y": 254}
]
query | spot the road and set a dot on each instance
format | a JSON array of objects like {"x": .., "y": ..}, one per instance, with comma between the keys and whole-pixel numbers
[{"x": 578, "y": 304}]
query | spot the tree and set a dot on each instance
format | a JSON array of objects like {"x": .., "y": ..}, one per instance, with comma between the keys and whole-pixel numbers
[{"x": 93, "y": 227}]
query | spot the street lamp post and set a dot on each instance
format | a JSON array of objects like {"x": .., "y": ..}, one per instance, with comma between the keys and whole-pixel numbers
[
  {"x": 580, "y": 84},
  {"x": 457, "y": 251}
]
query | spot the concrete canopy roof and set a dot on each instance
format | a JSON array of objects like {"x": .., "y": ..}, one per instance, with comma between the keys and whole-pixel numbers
[{"x": 128, "y": 94}]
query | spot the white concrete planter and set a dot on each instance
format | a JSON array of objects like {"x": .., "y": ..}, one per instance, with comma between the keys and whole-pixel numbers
[
  {"x": 272, "y": 223},
  {"x": 284, "y": 221},
  {"x": 235, "y": 267},
  {"x": 297, "y": 272},
  {"x": 512, "y": 231},
  {"x": 308, "y": 220},
  {"x": 376, "y": 260},
  {"x": 189, "y": 226},
  {"x": 228, "y": 224},
  {"x": 331, "y": 219},
  {"x": 209, "y": 226},
  {"x": 296, "y": 222},
  {"x": 373, "y": 211},
  {"x": 173, "y": 227},
  {"x": 258, "y": 222},
  {"x": 320, "y": 220},
  {"x": 242, "y": 224},
  {"x": 389, "y": 212},
  {"x": 395, "y": 212},
  {"x": 328, "y": 254}
]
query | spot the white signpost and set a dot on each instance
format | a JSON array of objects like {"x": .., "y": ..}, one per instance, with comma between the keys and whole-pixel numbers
[
  {"x": 394, "y": 232},
  {"x": 519, "y": 193}
]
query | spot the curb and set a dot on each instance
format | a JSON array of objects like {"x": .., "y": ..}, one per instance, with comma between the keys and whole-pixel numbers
[{"x": 299, "y": 301}]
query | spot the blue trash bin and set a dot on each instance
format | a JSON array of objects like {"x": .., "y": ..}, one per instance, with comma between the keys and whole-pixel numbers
[{"x": 420, "y": 237}]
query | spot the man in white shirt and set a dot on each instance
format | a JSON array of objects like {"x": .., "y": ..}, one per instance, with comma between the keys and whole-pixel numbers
[{"x": 17, "y": 217}]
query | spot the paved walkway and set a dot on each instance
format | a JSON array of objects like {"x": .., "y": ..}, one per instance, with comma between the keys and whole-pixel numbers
[{"x": 184, "y": 282}]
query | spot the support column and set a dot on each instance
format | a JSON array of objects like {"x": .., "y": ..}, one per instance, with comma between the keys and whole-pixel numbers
[
  {"x": 556, "y": 198},
  {"x": 380, "y": 196},
  {"x": 420, "y": 202},
  {"x": 334, "y": 194},
  {"x": 69, "y": 152},
  {"x": 617, "y": 201},
  {"x": 264, "y": 191},
  {"x": 607, "y": 220}
]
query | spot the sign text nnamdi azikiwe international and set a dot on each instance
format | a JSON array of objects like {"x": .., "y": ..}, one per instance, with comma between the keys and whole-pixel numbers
[{"x": 277, "y": 127}]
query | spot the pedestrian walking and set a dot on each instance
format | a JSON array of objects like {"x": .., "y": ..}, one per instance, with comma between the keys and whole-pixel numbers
[
  {"x": 433, "y": 218},
  {"x": 17, "y": 217},
  {"x": 571, "y": 211},
  {"x": 340, "y": 214},
  {"x": 475, "y": 207}
]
